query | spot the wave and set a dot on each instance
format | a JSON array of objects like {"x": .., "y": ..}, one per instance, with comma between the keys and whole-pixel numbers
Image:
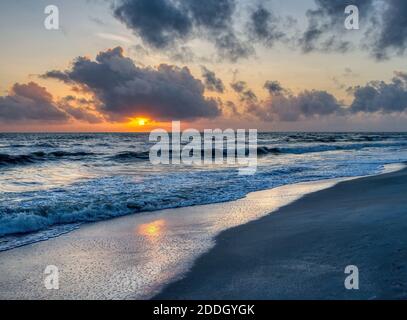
[
  {"x": 45, "y": 145},
  {"x": 130, "y": 155},
  {"x": 338, "y": 137},
  {"x": 61, "y": 154},
  {"x": 145, "y": 155},
  {"x": 324, "y": 148},
  {"x": 24, "y": 159},
  {"x": 266, "y": 150},
  {"x": 36, "y": 145},
  {"x": 11, "y": 242}
]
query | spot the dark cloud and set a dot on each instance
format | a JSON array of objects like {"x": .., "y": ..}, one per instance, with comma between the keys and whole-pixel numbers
[
  {"x": 265, "y": 26},
  {"x": 281, "y": 105},
  {"x": 80, "y": 109},
  {"x": 238, "y": 86},
  {"x": 230, "y": 47},
  {"x": 274, "y": 88},
  {"x": 383, "y": 25},
  {"x": 214, "y": 18},
  {"x": 125, "y": 90},
  {"x": 391, "y": 36},
  {"x": 246, "y": 94},
  {"x": 378, "y": 96},
  {"x": 233, "y": 110},
  {"x": 55, "y": 74},
  {"x": 168, "y": 24},
  {"x": 211, "y": 14},
  {"x": 305, "y": 105},
  {"x": 157, "y": 22},
  {"x": 326, "y": 29},
  {"x": 251, "y": 104},
  {"x": 29, "y": 103},
  {"x": 212, "y": 83},
  {"x": 164, "y": 24}
]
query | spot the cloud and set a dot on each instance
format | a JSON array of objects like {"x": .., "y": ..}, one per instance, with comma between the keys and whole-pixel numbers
[
  {"x": 30, "y": 103},
  {"x": 125, "y": 90},
  {"x": 378, "y": 96},
  {"x": 373, "y": 98},
  {"x": 157, "y": 22},
  {"x": 282, "y": 105},
  {"x": 232, "y": 109},
  {"x": 168, "y": 24},
  {"x": 274, "y": 88},
  {"x": 306, "y": 105},
  {"x": 326, "y": 29},
  {"x": 264, "y": 26},
  {"x": 83, "y": 110},
  {"x": 211, "y": 14},
  {"x": 214, "y": 18},
  {"x": 55, "y": 74},
  {"x": 382, "y": 22},
  {"x": 230, "y": 47},
  {"x": 391, "y": 37},
  {"x": 164, "y": 24},
  {"x": 246, "y": 94},
  {"x": 212, "y": 83}
]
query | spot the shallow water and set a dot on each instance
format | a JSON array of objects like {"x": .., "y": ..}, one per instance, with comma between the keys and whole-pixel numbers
[{"x": 51, "y": 183}]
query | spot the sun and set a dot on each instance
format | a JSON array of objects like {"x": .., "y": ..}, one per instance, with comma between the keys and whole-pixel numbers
[{"x": 141, "y": 122}]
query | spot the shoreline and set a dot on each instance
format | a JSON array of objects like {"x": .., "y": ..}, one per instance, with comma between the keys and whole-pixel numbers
[
  {"x": 302, "y": 249},
  {"x": 13, "y": 241},
  {"x": 135, "y": 257}
]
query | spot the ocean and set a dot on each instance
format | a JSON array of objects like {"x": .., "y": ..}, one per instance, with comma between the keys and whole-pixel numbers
[{"x": 51, "y": 183}]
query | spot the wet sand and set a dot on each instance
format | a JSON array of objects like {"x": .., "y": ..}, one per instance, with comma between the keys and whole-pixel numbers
[{"x": 301, "y": 251}]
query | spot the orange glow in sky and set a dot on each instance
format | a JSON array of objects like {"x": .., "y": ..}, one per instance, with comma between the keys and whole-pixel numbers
[{"x": 140, "y": 121}]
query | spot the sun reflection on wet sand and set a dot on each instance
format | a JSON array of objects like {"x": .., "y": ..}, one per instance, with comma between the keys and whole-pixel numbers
[{"x": 152, "y": 230}]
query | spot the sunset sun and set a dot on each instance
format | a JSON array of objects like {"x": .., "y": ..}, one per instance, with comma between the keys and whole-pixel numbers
[{"x": 140, "y": 122}]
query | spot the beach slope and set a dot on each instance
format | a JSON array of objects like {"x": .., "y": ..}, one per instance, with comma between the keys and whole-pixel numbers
[{"x": 301, "y": 251}]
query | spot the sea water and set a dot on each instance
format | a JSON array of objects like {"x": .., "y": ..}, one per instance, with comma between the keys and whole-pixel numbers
[{"x": 50, "y": 184}]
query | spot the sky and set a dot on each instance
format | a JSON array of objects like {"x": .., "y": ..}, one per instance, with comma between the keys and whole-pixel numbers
[{"x": 136, "y": 65}]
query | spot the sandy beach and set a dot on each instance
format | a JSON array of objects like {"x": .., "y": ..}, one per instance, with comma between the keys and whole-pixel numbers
[
  {"x": 301, "y": 251},
  {"x": 231, "y": 250}
]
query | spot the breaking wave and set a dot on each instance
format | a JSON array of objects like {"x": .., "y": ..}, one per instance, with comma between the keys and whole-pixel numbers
[{"x": 23, "y": 159}]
